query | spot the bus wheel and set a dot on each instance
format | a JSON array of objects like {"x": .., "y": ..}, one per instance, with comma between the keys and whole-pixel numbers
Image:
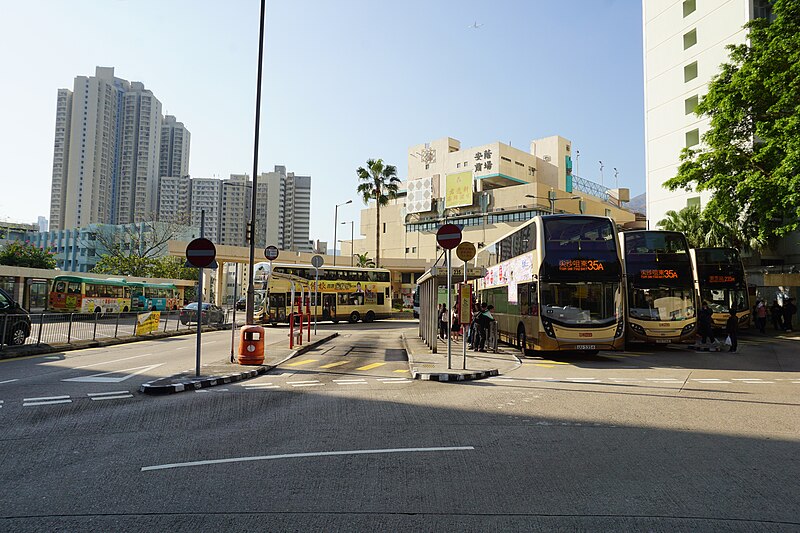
[
  {"x": 354, "y": 316},
  {"x": 521, "y": 339},
  {"x": 98, "y": 310},
  {"x": 370, "y": 316},
  {"x": 335, "y": 320}
]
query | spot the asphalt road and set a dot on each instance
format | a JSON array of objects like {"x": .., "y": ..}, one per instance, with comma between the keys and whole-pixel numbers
[{"x": 341, "y": 439}]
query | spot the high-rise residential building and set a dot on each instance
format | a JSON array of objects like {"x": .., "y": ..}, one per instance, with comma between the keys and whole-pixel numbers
[
  {"x": 283, "y": 210},
  {"x": 206, "y": 196},
  {"x": 237, "y": 193},
  {"x": 174, "y": 199},
  {"x": 42, "y": 223},
  {"x": 684, "y": 45},
  {"x": 137, "y": 192},
  {"x": 175, "y": 140},
  {"x": 106, "y": 157}
]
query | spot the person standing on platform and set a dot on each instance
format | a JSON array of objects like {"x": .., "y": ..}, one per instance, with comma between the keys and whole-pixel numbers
[{"x": 731, "y": 328}]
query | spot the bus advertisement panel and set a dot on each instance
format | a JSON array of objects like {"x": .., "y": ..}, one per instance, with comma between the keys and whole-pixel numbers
[
  {"x": 661, "y": 304},
  {"x": 556, "y": 284},
  {"x": 153, "y": 296},
  {"x": 720, "y": 278}
]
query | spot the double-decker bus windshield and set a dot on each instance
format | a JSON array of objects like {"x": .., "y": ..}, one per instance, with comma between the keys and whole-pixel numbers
[
  {"x": 580, "y": 273},
  {"x": 721, "y": 279},
  {"x": 660, "y": 282}
]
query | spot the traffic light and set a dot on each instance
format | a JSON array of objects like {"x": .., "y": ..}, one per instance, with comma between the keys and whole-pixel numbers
[{"x": 249, "y": 232}]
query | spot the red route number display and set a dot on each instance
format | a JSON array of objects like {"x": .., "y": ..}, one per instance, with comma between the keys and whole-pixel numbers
[{"x": 580, "y": 265}]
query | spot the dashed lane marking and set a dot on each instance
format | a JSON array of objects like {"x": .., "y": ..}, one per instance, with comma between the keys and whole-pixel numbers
[
  {"x": 304, "y": 362},
  {"x": 338, "y": 363},
  {"x": 47, "y": 400},
  {"x": 8, "y": 381},
  {"x": 370, "y": 367},
  {"x": 395, "y": 380},
  {"x": 302, "y": 382}
]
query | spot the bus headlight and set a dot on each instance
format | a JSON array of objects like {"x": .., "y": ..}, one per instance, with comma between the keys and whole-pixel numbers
[
  {"x": 637, "y": 328},
  {"x": 688, "y": 328},
  {"x": 620, "y": 329},
  {"x": 548, "y": 328},
  {"x": 744, "y": 319}
]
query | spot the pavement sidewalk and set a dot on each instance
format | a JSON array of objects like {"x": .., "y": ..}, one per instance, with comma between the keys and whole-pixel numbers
[
  {"x": 429, "y": 366},
  {"x": 223, "y": 371}
]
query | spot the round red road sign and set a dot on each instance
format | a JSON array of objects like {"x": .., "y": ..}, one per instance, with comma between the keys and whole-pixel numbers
[
  {"x": 448, "y": 236},
  {"x": 201, "y": 252},
  {"x": 271, "y": 253}
]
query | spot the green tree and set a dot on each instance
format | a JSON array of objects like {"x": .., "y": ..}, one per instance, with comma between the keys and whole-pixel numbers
[
  {"x": 125, "y": 265},
  {"x": 689, "y": 222},
  {"x": 704, "y": 231},
  {"x": 750, "y": 157},
  {"x": 379, "y": 183},
  {"x": 363, "y": 261},
  {"x": 24, "y": 254}
]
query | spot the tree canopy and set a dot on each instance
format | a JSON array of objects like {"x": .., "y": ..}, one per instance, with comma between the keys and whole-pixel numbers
[
  {"x": 24, "y": 254},
  {"x": 750, "y": 156},
  {"x": 703, "y": 231}
]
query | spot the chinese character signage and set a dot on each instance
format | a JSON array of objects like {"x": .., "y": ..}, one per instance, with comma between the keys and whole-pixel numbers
[
  {"x": 580, "y": 265},
  {"x": 721, "y": 279},
  {"x": 658, "y": 273},
  {"x": 458, "y": 189},
  {"x": 420, "y": 194},
  {"x": 483, "y": 161}
]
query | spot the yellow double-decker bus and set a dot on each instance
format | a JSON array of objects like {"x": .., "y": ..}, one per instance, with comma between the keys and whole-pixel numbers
[
  {"x": 556, "y": 284},
  {"x": 661, "y": 305},
  {"x": 344, "y": 293},
  {"x": 720, "y": 281}
]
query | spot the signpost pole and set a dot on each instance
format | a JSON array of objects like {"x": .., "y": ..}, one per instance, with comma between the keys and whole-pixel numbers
[
  {"x": 449, "y": 305},
  {"x": 464, "y": 331},
  {"x": 200, "y": 298},
  {"x": 235, "y": 295},
  {"x": 316, "y": 299}
]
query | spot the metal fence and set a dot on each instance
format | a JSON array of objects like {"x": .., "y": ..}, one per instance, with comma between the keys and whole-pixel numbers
[{"x": 58, "y": 328}]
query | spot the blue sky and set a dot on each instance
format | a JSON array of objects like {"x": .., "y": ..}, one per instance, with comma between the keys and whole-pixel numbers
[{"x": 343, "y": 82}]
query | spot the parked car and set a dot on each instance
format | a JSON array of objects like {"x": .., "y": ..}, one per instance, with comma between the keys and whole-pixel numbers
[
  {"x": 15, "y": 323},
  {"x": 211, "y": 314}
]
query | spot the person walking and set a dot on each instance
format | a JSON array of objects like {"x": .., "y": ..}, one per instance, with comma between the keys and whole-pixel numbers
[
  {"x": 455, "y": 324},
  {"x": 731, "y": 328},
  {"x": 484, "y": 321},
  {"x": 705, "y": 324},
  {"x": 776, "y": 313},
  {"x": 761, "y": 316},
  {"x": 789, "y": 309},
  {"x": 443, "y": 322}
]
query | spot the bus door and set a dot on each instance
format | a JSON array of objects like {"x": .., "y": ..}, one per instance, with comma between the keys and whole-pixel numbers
[
  {"x": 328, "y": 306},
  {"x": 277, "y": 307}
]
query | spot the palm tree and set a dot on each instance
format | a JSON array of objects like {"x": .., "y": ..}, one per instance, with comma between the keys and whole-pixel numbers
[
  {"x": 363, "y": 261},
  {"x": 688, "y": 221},
  {"x": 379, "y": 183}
]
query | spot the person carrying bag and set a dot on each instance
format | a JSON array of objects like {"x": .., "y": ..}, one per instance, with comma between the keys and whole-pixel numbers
[{"x": 731, "y": 328}]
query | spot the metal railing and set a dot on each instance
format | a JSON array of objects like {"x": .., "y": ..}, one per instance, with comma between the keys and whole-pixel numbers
[{"x": 59, "y": 328}]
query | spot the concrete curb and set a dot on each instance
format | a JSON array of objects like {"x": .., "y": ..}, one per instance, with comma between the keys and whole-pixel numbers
[
  {"x": 189, "y": 383},
  {"x": 445, "y": 376},
  {"x": 200, "y": 383}
]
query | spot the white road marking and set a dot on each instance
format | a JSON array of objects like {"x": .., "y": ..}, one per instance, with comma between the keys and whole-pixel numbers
[
  {"x": 307, "y": 384},
  {"x": 118, "y": 397},
  {"x": 260, "y": 387},
  {"x": 113, "y": 361},
  {"x": 43, "y": 398},
  {"x": 309, "y": 454},
  {"x": 393, "y": 380},
  {"x": 90, "y": 394},
  {"x": 30, "y": 403},
  {"x": 352, "y": 383},
  {"x": 353, "y": 380},
  {"x": 98, "y": 378},
  {"x": 9, "y": 381},
  {"x": 583, "y": 380},
  {"x": 710, "y": 381},
  {"x": 302, "y": 382}
]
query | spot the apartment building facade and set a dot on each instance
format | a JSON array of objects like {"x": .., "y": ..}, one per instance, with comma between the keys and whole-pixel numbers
[
  {"x": 106, "y": 152},
  {"x": 684, "y": 44},
  {"x": 174, "y": 151}
]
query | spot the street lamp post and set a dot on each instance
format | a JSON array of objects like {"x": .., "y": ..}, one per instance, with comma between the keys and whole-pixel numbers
[
  {"x": 552, "y": 199},
  {"x": 351, "y": 240},
  {"x": 336, "y": 224}
]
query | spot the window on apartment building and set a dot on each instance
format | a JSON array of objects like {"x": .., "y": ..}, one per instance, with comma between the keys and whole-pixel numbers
[
  {"x": 689, "y": 39},
  {"x": 405, "y": 277},
  {"x": 694, "y": 201},
  {"x": 690, "y": 71},
  {"x": 690, "y": 104},
  {"x": 689, "y": 7},
  {"x": 692, "y": 138}
]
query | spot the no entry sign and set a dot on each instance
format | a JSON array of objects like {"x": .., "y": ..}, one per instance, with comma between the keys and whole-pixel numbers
[
  {"x": 448, "y": 236},
  {"x": 201, "y": 252}
]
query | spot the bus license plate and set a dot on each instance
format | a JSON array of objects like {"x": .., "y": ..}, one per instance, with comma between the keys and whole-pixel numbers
[
  {"x": 662, "y": 341},
  {"x": 585, "y": 347}
]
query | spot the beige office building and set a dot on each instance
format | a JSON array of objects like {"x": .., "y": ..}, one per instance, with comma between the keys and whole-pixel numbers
[{"x": 495, "y": 198}]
